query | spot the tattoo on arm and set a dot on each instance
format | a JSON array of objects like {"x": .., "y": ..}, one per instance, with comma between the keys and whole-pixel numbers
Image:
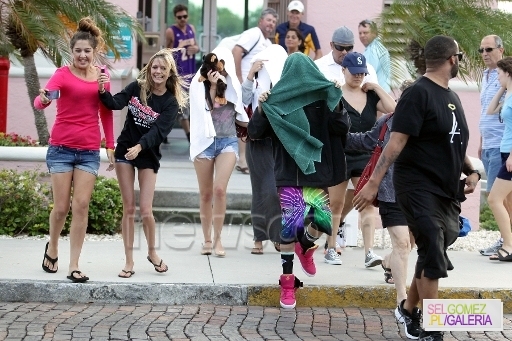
[{"x": 383, "y": 164}]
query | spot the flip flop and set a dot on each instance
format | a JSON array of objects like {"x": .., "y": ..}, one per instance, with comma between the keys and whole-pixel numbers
[
  {"x": 49, "y": 259},
  {"x": 77, "y": 279},
  {"x": 257, "y": 251},
  {"x": 127, "y": 274},
  {"x": 158, "y": 265},
  {"x": 243, "y": 170},
  {"x": 494, "y": 257},
  {"x": 507, "y": 258}
]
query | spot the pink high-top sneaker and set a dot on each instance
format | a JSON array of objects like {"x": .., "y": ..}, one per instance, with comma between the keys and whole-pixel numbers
[
  {"x": 306, "y": 259},
  {"x": 289, "y": 285}
]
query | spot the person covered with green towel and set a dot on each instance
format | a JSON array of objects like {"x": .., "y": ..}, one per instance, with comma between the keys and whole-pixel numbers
[{"x": 304, "y": 117}]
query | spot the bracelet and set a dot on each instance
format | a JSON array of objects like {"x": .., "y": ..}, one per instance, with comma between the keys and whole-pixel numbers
[
  {"x": 102, "y": 91},
  {"x": 110, "y": 149}
]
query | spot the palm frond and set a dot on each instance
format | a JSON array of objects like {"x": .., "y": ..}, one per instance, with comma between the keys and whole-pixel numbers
[
  {"x": 467, "y": 21},
  {"x": 46, "y": 24}
]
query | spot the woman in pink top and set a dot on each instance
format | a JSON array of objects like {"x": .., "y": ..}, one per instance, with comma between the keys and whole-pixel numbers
[{"x": 73, "y": 157}]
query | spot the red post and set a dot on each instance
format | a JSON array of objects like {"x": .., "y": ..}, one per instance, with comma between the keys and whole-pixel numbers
[{"x": 5, "y": 64}]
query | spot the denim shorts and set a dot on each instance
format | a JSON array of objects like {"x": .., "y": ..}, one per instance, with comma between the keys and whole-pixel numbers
[
  {"x": 60, "y": 159},
  {"x": 130, "y": 162},
  {"x": 491, "y": 158},
  {"x": 220, "y": 145}
]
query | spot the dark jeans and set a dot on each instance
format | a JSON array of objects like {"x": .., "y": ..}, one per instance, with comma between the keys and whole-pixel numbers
[{"x": 265, "y": 207}]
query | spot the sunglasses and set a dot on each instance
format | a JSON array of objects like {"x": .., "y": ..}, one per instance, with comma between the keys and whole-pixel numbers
[
  {"x": 182, "y": 16},
  {"x": 487, "y": 49},
  {"x": 459, "y": 56},
  {"x": 343, "y": 48}
]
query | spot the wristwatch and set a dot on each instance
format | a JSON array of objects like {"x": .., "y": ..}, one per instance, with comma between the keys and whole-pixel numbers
[{"x": 477, "y": 172}]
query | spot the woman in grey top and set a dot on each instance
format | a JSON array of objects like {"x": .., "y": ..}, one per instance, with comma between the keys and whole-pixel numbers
[{"x": 391, "y": 216}]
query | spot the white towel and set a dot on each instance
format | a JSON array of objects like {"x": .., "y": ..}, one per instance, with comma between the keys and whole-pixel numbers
[
  {"x": 202, "y": 131},
  {"x": 274, "y": 57}
]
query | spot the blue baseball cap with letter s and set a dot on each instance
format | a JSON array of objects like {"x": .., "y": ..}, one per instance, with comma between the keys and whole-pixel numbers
[{"x": 355, "y": 62}]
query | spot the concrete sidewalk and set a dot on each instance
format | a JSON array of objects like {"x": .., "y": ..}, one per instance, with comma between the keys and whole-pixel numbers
[{"x": 238, "y": 279}]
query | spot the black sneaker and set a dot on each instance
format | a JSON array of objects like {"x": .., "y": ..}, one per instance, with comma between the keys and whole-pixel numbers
[
  {"x": 431, "y": 336},
  {"x": 411, "y": 322}
]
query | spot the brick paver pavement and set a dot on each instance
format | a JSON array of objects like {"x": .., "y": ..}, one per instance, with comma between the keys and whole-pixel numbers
[{"x": 71, "y": 321}]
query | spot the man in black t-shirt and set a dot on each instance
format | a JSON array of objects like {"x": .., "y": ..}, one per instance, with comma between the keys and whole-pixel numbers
[{"x": 428, "y": 141}]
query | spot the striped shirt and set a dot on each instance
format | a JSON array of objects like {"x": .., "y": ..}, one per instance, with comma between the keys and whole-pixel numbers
[
  {"x": 490, "y": 127},
  {"x": 377, "y": 55}
]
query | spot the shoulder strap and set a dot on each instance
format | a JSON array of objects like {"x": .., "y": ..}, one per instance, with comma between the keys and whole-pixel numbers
[
  {"x": 384, "y": 128},
  {"x": 252, "y": 47}
]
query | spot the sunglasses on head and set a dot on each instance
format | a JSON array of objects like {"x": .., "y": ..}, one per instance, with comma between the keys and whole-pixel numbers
[
  {"x": 182, "y": 16},
  {"x": 343, "y": 48},
  {"x": 487, "y": 49}
]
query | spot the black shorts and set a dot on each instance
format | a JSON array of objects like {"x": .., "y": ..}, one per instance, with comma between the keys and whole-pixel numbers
[
  {"x": 356, "y": 164},
  {"x": 503, "y": 173},
  {"x": 434, "y": 223},
  {"x": 391, "y": 214}
]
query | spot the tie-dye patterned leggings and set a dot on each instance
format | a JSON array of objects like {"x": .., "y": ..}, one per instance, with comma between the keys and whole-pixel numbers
[{"x": 300, "y": 203}]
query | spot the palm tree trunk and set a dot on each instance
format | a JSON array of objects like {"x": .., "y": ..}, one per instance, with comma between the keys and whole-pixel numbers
[{"x": 33, "y": 86}]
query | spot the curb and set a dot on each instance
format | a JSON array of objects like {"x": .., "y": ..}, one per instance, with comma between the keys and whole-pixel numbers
[
  {"x": 224, "y": 294},
  {"x": 366, "y": 296}
]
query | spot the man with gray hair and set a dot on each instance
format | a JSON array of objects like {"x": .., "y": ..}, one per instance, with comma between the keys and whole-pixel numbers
[
  {"x": 253, "y": 41},
  {"x": 250, "y": 43},
  {"x": 491, "y": 129}
]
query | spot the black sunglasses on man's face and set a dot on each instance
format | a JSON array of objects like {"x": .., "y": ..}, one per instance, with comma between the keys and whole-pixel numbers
[
  {"x": 487, "y": 49},
  {"x": 182, "y": 16}
]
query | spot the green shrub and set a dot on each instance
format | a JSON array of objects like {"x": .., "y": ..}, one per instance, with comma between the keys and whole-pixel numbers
[
  {"x": 487, "y": 221},
  {"x": 26, "y": 202},
  {"x": 105, "y": 208}
]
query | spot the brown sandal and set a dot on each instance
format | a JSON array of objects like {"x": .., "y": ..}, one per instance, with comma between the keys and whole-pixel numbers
[{"x": 257, "y": 251}]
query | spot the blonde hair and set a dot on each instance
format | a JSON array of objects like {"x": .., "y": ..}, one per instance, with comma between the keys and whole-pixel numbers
[
  {"x": 175, "y": 84},
  {"x": 87, "y": 30}
]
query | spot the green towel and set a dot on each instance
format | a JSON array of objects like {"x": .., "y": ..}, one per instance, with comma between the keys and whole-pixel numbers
[{"x": 301, "y": 83}]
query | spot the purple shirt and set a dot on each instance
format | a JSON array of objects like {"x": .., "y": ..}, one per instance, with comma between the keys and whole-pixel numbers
[{"x": 186, "y": 64}]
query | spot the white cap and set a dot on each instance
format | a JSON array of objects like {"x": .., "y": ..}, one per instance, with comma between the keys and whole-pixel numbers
[{"x": 296, "y": 5}]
